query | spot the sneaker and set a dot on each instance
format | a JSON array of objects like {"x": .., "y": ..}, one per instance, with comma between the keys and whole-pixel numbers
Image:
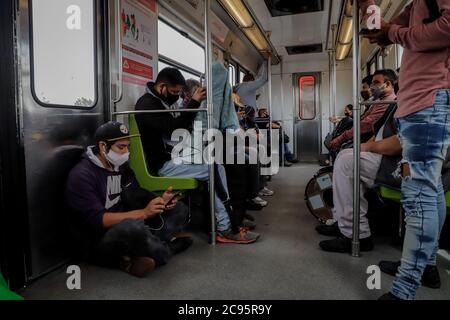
[
  {"x": 250, "y": 205},
  {"x": 242, "y": 237},
  {"x": 287, "y": 164},
  {"x": 344, "y": 245},
  {"x": 430, "y": 277},
  {"x": 248, "y": 224},
  {"x": 389, "y": 296},
  {"x": 138, "y": 266},
  {"x": 292, "y": 160},
  {"x": 329, "y": 230},
  {"x": 180, "y": 244},
  {"x": 249, "y": 217},
  {"x": 266, "y": 192},
  {"x": 260, "y": 201}
]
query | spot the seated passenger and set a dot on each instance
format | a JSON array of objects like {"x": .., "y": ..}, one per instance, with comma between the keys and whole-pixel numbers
[
  {"x": 121, "y": 224},
  {"x": 384, "y": 145},
  {"x": 382, "y": 89},
  {"x": 156, "y": 130}
]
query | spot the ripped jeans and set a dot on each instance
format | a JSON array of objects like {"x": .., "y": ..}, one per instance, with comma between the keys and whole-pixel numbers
[{"x": 425, "y": 137}]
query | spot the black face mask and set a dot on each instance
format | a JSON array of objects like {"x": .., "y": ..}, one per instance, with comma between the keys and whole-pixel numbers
[
  {"x": 171, "y": 98},
  {"x": 365, "y": 95},
  {"x": 347, "y": 114}
]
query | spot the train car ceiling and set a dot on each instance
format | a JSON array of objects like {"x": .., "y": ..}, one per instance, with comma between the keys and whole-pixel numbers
[{"x": 288, "y": 7}]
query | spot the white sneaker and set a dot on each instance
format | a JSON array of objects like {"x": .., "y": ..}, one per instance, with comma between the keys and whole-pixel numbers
[
  {"x": 266, "y": 192},
  {"x": 260, "y": 201}
]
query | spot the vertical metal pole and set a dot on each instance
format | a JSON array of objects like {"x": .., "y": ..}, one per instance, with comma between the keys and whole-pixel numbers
[
  {"x": 356, "y": 132},
  {"x": 333, "y": 60},
  {"x": 283, "y": 151},
  {"x": 210, "y": 106},
  {"x": 330, "y": 85},
  {"x": 269, "y": 75}
]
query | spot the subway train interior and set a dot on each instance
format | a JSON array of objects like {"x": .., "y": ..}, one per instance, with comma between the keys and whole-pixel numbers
[{"x": 69, "y": 66}]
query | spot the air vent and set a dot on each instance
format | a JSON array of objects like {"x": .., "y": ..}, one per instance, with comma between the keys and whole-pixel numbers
[
  {"x": 310, "y": 48},
  {"x": 289, "y": 7}
]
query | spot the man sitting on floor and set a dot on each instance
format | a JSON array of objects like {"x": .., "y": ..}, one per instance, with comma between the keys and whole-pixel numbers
[{"x": 117, "y": 223}]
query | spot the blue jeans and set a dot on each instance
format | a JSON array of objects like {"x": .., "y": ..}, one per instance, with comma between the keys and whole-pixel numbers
[
  {"x": 425, "y": 137},
  {"x": 200, "y": 172}
]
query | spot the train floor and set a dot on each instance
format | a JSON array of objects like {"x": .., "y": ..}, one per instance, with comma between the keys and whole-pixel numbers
[{"x": 286, "y": 263}]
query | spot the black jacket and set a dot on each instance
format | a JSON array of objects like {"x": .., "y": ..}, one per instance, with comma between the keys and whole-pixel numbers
[{"x": 153, "y": 127}]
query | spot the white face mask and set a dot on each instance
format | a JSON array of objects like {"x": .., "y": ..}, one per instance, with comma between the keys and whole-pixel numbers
[{"x": 117, "y": 159}]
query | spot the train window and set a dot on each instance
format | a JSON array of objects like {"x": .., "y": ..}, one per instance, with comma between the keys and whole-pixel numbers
[
  {"x": 186, "y": 75},
  {"x": 307, "y": 89},
  {"x": 177, "y": 47},
  {"x": 241, "y": 76},
  {"x": 63, "y": 53},
  {"x": 232, "y": 74}
]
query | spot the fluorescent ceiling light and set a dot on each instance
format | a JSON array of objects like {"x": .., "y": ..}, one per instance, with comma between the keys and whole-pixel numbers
[
  {"x": 346, "y": 34},
  {"x": 239, "y": 12},
  {"x": 342, "y": 51},
  {"x": 257, "y": 38}
]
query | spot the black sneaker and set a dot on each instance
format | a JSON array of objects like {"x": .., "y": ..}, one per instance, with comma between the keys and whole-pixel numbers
[
  {"x": 179, "y": 245},
  {"x": 344, "y": 245},
  {"x": 329, "y": 230},
  {"x": 430, "y": 277},
  {"x": 250, "y": 205},
  {"x": 249, "y": 217},
  {"x": 389, "y": 296}
]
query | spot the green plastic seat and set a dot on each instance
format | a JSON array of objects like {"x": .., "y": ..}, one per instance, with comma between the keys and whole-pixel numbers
[
  {"x": 5, "y": 293},
  {"x": 395, "y": 195},
  {"x": 138, "y": 163}
]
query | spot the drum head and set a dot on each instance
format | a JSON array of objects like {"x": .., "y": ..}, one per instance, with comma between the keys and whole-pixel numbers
[{"x": 319, "y": 195}]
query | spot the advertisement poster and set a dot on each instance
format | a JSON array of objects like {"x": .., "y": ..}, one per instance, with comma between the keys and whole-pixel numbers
[{"x": 139, "y": 41}]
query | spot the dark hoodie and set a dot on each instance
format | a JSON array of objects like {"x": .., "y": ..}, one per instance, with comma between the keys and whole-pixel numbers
[
  {"x": 93, "y": 190},
  {"x": 153, "y": 127}
]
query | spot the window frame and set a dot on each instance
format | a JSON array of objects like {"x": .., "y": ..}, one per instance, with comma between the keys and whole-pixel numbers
[
  {"x": 32, "y": 71},
  {"x": 174, "y": 63},
  {"x": 300, "y": 80}
]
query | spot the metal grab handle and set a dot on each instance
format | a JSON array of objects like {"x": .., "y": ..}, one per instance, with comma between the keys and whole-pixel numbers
[{"x": 119, "y": 52}]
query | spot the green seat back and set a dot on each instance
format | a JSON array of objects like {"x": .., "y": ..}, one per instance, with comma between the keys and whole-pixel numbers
[
  {"x": 395, "y": 195},
  {"x": 5, "y": 293},
  {"x": 139, "y": 165}
]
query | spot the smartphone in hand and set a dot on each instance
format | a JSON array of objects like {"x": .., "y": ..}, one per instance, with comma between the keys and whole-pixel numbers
[{"x": 176, "y": 196}]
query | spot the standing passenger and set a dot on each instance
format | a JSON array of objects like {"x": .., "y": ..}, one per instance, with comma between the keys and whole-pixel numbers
[{"x": 423, "y": 113}]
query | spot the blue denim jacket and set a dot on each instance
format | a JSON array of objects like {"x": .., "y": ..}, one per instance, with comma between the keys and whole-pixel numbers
[{"x": 224, "y": 111}]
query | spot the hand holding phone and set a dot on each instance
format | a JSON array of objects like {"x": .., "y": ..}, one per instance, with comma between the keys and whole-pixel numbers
[{"x": 173, "y": 201}]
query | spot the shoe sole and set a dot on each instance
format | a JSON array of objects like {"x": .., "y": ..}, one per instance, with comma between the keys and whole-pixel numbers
[{"x": 225, "y": 240}]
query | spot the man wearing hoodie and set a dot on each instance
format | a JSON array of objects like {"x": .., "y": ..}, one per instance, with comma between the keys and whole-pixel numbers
[
  {"x": 156, "y": 130},
  {"x": 117, "y": 223}
]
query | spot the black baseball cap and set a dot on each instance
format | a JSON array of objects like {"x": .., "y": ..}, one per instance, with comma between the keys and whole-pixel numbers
[{"x": 113, "y": 131}]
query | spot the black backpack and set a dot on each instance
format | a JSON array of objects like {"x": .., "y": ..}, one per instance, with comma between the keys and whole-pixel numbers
[{"x": 435, "y": 13}]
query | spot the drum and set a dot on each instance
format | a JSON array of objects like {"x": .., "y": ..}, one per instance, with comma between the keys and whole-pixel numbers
[{"x": 319, "y": 194}]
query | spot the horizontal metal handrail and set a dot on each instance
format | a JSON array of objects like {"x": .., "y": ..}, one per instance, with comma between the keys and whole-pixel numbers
[
  {"x": 124, "y": 113},
  {"x": 371, "y": 103}
]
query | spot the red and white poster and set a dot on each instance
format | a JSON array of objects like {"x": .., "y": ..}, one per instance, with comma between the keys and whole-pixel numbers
[{"x": 139, "y": 41}]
